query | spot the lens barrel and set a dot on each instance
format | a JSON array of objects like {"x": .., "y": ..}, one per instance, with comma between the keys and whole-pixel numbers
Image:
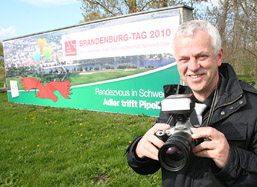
[{"x": 175, "y": 152}]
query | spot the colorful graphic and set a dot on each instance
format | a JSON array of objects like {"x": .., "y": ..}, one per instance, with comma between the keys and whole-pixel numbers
[
  {"x": 48, "y": 51},
  {"x": 42, "y": 49},
  {"x": 36, "y": 55},
  {"x": 41, "y": 43},
  {"x": 47, "y": 92}
]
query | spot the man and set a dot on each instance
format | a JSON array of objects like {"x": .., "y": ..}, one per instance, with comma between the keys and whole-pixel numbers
[{"x": 229, "y": 122}]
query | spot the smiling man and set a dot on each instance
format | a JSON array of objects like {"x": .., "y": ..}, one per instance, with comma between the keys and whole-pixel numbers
[
  {"x": 228, "y": 156},
  {"x": 198, "y": 63}
]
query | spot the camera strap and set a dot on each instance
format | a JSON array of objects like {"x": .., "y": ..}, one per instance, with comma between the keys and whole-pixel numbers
[
  {"x": 213, "y": 104},
  {"x": 170, "y": 119}
]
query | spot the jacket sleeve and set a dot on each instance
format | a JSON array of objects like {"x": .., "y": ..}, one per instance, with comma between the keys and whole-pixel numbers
[
  {"x": 142, "y": 166},
  {"x": 241, "y": 168}
]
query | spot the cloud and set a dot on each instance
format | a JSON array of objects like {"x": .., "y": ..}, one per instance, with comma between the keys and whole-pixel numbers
[
  {"x": 50, "y": 2},
  {"x": 6, "y": 33}
]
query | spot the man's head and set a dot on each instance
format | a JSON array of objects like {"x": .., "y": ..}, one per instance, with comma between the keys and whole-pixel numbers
[
  {"x": 189, "y": 28},
  {"x": 197, "y": 48}
]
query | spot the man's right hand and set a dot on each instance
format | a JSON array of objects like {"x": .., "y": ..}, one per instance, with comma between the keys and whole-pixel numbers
[{"x": 149, "y": 144}]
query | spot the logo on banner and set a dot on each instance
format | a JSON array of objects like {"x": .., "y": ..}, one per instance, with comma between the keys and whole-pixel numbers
[
  {"x": 47, "y": 92},
  {"x": 70, "y": 48}
]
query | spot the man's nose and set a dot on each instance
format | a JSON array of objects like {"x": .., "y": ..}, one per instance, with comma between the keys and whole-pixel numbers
[{"x": 193, "y": 64}]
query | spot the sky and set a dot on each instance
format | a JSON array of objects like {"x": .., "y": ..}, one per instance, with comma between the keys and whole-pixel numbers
[{"x": 25, "y": 17}]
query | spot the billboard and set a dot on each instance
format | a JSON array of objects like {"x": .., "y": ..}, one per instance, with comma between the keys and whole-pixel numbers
[{"x": 114, "y": 65}]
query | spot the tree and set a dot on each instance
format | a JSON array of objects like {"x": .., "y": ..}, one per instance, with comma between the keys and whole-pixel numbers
[
  {"x": 236, "y": 22},
  {"x": 1, "y": 49},
  {"x": 2, "y": 74},
  {"x": 99, "y": 9}
]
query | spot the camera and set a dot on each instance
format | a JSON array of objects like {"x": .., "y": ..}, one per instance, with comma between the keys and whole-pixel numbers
[{"x": 174, "y": 155}]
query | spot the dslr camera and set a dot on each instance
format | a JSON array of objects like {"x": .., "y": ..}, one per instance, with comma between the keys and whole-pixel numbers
[{"x": 174, "y": 155}]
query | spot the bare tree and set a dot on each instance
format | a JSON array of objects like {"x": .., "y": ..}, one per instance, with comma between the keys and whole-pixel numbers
[
  {"x": 236, "y": 21},
  {"x": 99, "y": 9}
]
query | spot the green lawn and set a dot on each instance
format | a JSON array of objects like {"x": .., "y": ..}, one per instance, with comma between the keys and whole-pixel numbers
[
  {"x": 86, "y": 77},
  {"x": 91, "y": 77},
  {"x": 43, "y": 146}
]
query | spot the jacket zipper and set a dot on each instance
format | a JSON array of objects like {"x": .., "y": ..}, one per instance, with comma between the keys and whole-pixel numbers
[{"x": 223, "y": 106}]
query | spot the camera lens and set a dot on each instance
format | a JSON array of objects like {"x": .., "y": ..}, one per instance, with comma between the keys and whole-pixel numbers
[{"x": 174, "y": 154}]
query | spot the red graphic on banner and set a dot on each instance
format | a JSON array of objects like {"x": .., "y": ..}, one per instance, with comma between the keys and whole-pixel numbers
[
  {"x": 70, "y": 48},
  {"x": 46, "y": 92}
]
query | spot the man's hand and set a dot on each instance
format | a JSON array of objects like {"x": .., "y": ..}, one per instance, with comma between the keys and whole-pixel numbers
[
  {"x": 149, "y": 144},
  {"x": 217, "y": 148}
]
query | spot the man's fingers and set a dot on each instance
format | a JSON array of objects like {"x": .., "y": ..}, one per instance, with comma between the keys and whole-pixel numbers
[
  {"x": 156, "y": 141},
  {"x": 217, "y": 148},
  {"x": 204, "y": 132},
  {"x": 203, "y": 146},
  {"x": 152, "y": 152},
  {"x": 149, "y": 144},
  {"x": 204, "y": 153},
  {"x": 146, "y": 148},
  {"x": 159, "y": 126}
]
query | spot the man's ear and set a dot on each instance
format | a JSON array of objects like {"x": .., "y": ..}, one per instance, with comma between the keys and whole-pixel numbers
[{"x": 220, "y": 57}]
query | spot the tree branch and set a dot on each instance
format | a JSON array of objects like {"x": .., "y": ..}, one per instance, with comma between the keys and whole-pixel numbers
[
  {"x": 101, "y": 5},
  {"x": 146, "y": 5},
  {"x": 250, "y": 52}
]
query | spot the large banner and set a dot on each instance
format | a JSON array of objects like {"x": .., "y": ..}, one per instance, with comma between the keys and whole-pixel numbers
[{"x": 115, "y": 65}]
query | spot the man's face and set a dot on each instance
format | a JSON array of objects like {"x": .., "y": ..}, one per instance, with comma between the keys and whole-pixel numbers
[{"x": 197, "y": 64}]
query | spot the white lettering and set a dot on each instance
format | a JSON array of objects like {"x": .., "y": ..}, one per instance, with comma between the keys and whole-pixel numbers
[
  {"x": 129, "y": 103},
  {"x": 149, "y": 93},
  {"x": 111, "y": 102},
  {"x": 109, "y": 92},
  {"x": 147, "y": 106}
]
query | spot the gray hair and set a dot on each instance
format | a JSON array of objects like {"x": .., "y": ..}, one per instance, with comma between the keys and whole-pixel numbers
[{"x": 189, "y": 28}]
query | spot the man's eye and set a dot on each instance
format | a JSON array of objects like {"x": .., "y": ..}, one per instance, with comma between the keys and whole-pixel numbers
[
  {"x": 202, "y": 57},
  {"x": 183, "y": 60}
]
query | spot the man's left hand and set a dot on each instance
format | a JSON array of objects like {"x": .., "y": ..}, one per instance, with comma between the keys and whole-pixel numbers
[{"x": 217, "y": 148}]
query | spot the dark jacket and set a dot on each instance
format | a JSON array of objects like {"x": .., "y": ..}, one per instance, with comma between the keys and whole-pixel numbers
[{"x": 235, "y": 115}]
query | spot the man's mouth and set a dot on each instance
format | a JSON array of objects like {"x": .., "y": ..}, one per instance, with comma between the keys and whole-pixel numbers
[{"x": 195, "y": 76}]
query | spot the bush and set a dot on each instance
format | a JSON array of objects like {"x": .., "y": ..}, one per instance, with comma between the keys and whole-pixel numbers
[{"x": 126, "y": 66}]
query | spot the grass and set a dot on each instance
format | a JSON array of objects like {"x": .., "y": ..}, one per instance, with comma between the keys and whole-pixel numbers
[
  {"x": 90, "y": 77},
  {"x": 249, "y": 79},
  {"x": 44, "y": 146},
  {"x": 77, "y": 79}
]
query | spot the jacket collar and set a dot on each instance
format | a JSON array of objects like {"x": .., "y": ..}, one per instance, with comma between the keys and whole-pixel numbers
[
  {"x": 230, "y": 94},
  {"x": 230, "y": 88}
]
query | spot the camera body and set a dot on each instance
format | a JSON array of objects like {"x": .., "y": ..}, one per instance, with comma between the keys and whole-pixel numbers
[{"x": 177, "y": 149}]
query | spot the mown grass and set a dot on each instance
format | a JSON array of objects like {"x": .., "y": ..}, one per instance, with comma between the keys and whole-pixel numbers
[
  {"x": 77, "y": 79},
  {"x": 86, "y": 78},
  {"x": 44, "y": 146}
]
